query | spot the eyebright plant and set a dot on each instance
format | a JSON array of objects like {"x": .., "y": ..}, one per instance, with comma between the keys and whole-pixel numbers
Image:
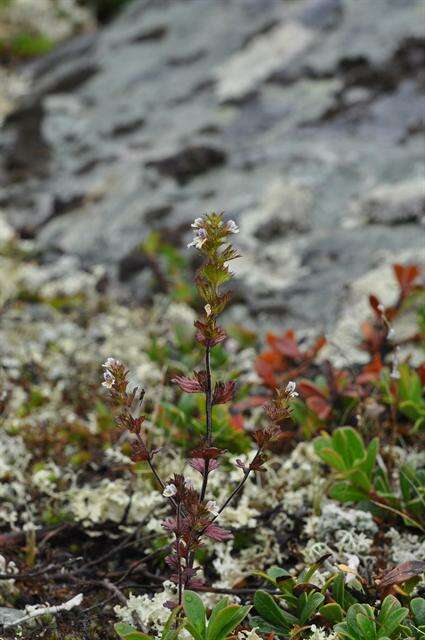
[{"x": 194, "y": 514}]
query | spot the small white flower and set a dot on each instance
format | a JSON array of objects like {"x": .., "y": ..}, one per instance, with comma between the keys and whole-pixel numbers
[
  {"x": 110, "y": 362},
  {"x": 108, "y": 380},
  {"x": 208, "y": 310},
  {"x": 381, "y": 307},
  {"x": 212, "y": 507},
  {"x": 232, "y": 227},
  {"x": 290, "y": 389},
  {"x": 189, "y": 484},
  {"x": 199, "y": 239},
  {"x": 197, "y": 223},
  {"x": 391, "y": 333},
  {"x": 169, "y": 491}
]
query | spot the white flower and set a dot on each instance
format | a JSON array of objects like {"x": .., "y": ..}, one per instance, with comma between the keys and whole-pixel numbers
[
  {"x": 169, "y": 491},
  {"x": 199, "y": 239},
  {"x": 290, "y": 389},
  {"x": 197, "y": 223},
  {"x": 381, "y": 307},
  {"x": 232, "y": 227},
  {"x": 108, "y": 380},
  {"x": 212, "y": 507},
  {"x": 189, "y": 484},
  {"x": 110, "y": 362},
  {"x": 208, "y": 310}
]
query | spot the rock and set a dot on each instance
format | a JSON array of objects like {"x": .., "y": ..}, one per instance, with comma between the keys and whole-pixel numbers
[
  {"x": 345, "y": 337},
  {"x": 189, "y": 162},
  {"x": 295, "y": 118},
  {"x": 285, "y": 207},
  {"x": 322, "y": 14},
  {"x": 10, "y": 616},
  {"x": 393, "y": 204},
  {"x": 244, "y": 71}
]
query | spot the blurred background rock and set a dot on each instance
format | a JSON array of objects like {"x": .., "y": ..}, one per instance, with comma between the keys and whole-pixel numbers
[{"x": 302, "y": 119}]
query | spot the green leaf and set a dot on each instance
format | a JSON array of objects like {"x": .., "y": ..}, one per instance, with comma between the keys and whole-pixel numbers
[
  {"x": 333, "y": 459},
  {"x": 372, "y": 452},
  {"x": 322, "y": 442},
  {"x": 265, "y": 627},
  {"x": 127, "y": 632},
  {"x": 269, "y": 610},
  {"x": 332, "y": 612},
  {"x": 226, "y": 621},
  {"x": 417, "y": 606},
  {"x": 355, "y": 445},
  {"x": 277, "y": 572},
  {"x": 224, "y": 602},
  {"x": 313, "y": 600},
  {"x": 354, "y": 612},
  {"x": 392, "y": 622},
  {"x": 339, "y": 444},
  {"x": 195, "y": 612},
  {"x": 345, "y": 492},
  {"x": 367, "y": 625},
  {"x": 360, "y": 480},
  {"x": 171, "y": 630}
]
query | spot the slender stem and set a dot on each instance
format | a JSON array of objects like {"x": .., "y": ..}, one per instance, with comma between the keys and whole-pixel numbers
[
  {"x": 208, "y": 413},
  {"x": 234, "y": 493},
  {"x": 208, "y": 395},
  {"x": 204, "y": 480},
  {"x": 154, "y": 471},
  {"x": 238, "y": 488},
  {"x": 179, "y": 566}
]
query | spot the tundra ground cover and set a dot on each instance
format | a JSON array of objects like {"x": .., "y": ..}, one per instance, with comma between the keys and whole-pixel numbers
[{"x": 336, "y": 522}]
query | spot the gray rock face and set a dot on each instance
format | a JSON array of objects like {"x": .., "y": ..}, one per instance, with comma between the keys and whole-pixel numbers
[{"x": 301, "y": 119}]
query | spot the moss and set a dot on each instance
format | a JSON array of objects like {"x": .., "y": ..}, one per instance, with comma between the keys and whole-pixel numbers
[{"x": 25, "y": 45}]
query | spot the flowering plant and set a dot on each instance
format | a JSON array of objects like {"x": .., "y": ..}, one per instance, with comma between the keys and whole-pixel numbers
[{"x": 194, "y": 514}]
